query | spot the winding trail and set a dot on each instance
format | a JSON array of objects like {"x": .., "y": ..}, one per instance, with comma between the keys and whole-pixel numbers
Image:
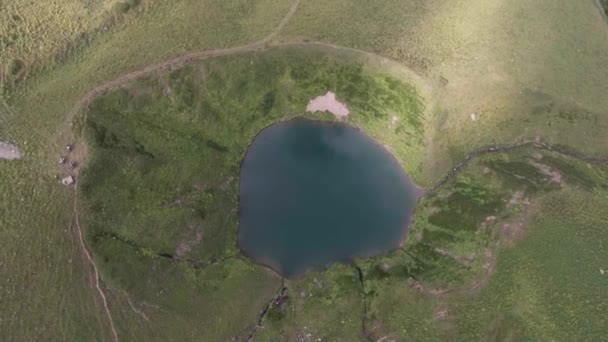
[
  {"x": 93, "y": 265},
  {"x": 181, "y": 60}
]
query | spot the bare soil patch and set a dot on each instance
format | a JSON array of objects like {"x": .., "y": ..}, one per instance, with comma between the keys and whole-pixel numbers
[
  {"x": 548, "y": 171},
  {"x": 184, "y": 247},
  {"x": 328, "y": 103},
  {"x": 514, "y": 229}
]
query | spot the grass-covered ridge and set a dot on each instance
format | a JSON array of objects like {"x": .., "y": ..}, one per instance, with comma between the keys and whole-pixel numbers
[{"x": 161, "y": 185}]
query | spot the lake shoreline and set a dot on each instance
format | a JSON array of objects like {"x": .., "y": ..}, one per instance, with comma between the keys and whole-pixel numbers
[{"x": 416, "y": 193}]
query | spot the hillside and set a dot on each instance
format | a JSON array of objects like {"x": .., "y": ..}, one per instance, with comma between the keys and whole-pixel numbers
[{"x": 495, "y": 108}]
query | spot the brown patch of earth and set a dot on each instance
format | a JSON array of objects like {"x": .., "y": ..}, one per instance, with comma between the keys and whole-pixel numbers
[
  {"x": 513, "y": 229},
  {"x": 554, "y": 175},
  {"x": 78, "y": 156},
  {"x": 443, "y": 318},
  {"x": 184, "y": 247},
  {"x": 462, "y": 259},
  {"x": 167, "y": 90},
  {"x": 517, "y": 199}
]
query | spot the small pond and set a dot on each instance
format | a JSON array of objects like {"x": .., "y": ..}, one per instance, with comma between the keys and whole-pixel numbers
[{"x": 313, "y": 193}]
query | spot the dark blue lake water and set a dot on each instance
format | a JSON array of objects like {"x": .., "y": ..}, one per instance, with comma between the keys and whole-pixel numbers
[{"x": 313, "y": 193}]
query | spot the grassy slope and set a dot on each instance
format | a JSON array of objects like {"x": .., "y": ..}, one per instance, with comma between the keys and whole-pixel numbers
[
  {"x": 36, "y": 34},
  {"x": 41, "y": 283},
  {"x": 519, "y": 264},
  {"x": 326, "y": 305},
  {"x": 524, "y": 68},
  {"x": 453, "y": 243},
  {"x": 43, "y": 287},
  {"x": 549, "y": 287},
  {"x": 164, "y": 164},
  {"x": 190, "y": 25}
]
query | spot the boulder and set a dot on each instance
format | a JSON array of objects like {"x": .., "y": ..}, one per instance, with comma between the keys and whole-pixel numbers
[{"x": 67, "y": 181}]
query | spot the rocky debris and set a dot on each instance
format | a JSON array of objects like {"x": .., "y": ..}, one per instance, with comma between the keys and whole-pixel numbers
[
  {"x": 67, "y": 181},
  {"x": 463, "y": 259},
  {"x": 9, "y": 152},
  {"x": 441, "y": 313},
  {"x": 280, "y": 298}
]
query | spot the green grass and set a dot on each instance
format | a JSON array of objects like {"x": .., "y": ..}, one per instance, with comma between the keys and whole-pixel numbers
[
  {"x": 43, "y": 279},
  {"x": 542, "y": 78},
  {"x": 47, "y": 97},
  {"x": 327, "y": 305},
  {"x": 549, "y": 287},
  {"x": 45, "y": 287},
  {"x": 171, "y": 143},
  {"x": 545, "y": 283},
  {"x": 36, "y": 36}
]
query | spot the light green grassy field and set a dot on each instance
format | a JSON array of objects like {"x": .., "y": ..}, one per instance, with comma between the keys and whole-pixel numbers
[
  {"x": 512, "y": 248},
  {"x": 523, "y": 69}
]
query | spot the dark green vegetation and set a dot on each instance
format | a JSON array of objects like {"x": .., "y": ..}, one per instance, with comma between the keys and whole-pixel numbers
[
  {"x": 160, "y": 189},
  {"x": 604, "y": 6},
  {"x": 314, "y": 192}
]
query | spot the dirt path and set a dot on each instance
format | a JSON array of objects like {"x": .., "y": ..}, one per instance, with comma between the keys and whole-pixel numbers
[{"x": 90, "y": 260}]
